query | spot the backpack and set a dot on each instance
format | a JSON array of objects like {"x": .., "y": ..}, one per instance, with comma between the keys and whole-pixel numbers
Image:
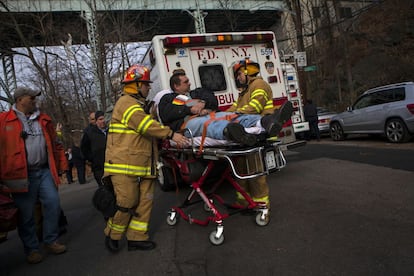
[{"x": 104, "y": 199}]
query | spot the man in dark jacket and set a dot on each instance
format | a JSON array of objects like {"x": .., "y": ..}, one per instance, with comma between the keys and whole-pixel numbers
[
  {"x": 93, "y": 145},
  {"x": 311, "y": 116}
]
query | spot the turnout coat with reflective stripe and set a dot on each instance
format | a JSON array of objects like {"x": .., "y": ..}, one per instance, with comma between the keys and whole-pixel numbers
[
  {"x": 131, "y": 143},
  {"x": 13, "y": 160},
  {"x": 257, "y": 98}
]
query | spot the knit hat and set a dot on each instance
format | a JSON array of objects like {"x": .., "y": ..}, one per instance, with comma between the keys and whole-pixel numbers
[
  {"x": 24, "y": 91},
  {"x": 98, "y": 114}
]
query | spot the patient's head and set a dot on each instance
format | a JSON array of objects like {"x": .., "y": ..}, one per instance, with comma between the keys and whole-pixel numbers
[{"x": 179, "y": 83}]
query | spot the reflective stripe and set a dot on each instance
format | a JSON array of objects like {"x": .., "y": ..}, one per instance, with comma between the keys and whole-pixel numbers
[
  {"x": 145, "y": 124},
  {"x": 256, "y": 105},
  {"x": 127, "y": 169},
  {"x": 138, "y": 225},
  {"x": 129, "y": 112},
  {"x": 260, "y": 92},
  {"x": 264, "y": 199},
  {"x": 116, "y": 227},
  {"x": 269, "y": 105},
  {"x": 120, "y": 128}
]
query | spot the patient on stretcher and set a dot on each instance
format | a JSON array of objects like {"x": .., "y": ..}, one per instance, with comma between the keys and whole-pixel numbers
[
  {"x": 184, "y": 109},
  {"x": 246, "y": 129}
]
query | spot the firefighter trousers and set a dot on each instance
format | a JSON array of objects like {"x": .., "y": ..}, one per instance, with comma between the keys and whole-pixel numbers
[
  {"x": 136, "y": 195},
  {"x": 257, "y": 188}
]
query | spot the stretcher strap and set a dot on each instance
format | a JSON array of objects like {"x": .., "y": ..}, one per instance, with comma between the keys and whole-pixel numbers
[{"x": 212, "y": 115}]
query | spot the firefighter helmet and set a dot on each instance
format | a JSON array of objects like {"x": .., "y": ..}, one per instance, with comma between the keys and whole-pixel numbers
[
  {"x": 137, "y": 73},
  {"x": 250, "y": 67}
]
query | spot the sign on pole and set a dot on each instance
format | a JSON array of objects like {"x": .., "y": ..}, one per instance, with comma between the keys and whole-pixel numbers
[
  {"x": 301, "y": 58},
  {"x": 310, "y": 68}
]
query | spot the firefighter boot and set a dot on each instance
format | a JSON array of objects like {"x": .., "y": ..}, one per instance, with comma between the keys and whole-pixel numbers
[
  {"x": 236, "y": 133},
  {"x": 112, "y": 245},
  {"x": 273, "y": 123},
  {"x": 141, "y": 245}
]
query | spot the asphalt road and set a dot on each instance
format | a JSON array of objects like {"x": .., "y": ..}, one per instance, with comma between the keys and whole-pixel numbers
[
  {"x": 337, "y": 209},
  {"x": 361, "y": 149}
]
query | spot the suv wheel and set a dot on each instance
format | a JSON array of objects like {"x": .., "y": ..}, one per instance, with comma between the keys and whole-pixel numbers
[
  {"x": 336, "y": 132},
  {"x": 396, "y": 131}
]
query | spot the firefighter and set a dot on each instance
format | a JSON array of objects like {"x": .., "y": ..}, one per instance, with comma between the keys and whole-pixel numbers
[
  {"x": 255, "y": 97},
  {"x": 130, "y": 162}
]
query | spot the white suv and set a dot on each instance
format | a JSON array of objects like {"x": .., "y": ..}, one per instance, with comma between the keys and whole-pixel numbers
[{"x": 387, "y": 110}]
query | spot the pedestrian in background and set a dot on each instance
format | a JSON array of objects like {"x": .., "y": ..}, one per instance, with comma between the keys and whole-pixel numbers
[
  {"x": 93, "y": 145},
  {"x": 30, "y": 163},
  {"x": 92, "y": 120},
  {"x": 91, "y": 123},
  {"x": 311, "y": 116},
  {"x": 69, "y": 157}
]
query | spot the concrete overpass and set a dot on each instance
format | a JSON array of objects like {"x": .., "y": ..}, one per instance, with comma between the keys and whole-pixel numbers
[{"x": 105, "y": 5}]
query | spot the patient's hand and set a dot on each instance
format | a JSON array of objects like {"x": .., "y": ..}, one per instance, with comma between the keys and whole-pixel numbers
[
  {"x": 196, "y": 108},
  {"x": 180, "y": 139},
  {"x": 204, "y": 112}
]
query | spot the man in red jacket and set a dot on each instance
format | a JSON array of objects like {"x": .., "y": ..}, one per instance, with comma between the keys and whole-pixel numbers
[{"x": 30, "y": 160}]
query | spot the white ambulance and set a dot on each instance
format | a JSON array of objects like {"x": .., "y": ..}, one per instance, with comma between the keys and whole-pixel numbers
[{"x": 207, "y": 60}]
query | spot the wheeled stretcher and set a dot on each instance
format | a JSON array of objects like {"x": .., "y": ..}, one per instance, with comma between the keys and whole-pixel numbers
[{"x": 196, "y": 166}]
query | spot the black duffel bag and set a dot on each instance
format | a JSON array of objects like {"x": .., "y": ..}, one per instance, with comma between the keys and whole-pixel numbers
[{"x": 104, "y": 199}]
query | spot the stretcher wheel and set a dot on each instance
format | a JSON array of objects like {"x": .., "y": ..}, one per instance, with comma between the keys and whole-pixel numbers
[
  {"x": 214, "y": 240},
  {"x": 172, "y": 219},
  {"x": 262, "y": 219}
]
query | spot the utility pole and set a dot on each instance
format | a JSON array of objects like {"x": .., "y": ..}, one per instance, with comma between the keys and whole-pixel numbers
[
  {"x": 346, "y": 59},
  {"x": 300, "y": 45},
  {"x": 89, "y": 15}
]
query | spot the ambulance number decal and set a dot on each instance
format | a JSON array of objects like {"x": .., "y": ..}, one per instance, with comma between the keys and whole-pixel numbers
[{"x": 266, "y": 51}]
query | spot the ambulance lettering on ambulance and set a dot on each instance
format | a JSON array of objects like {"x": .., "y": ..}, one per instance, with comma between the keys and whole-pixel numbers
[
  {"x": 207, "y": 60},
  {"x": 225, "y": 99}
]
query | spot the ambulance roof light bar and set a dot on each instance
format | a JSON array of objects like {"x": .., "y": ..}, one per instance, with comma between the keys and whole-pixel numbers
[{"x": 174, "y": 41}]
